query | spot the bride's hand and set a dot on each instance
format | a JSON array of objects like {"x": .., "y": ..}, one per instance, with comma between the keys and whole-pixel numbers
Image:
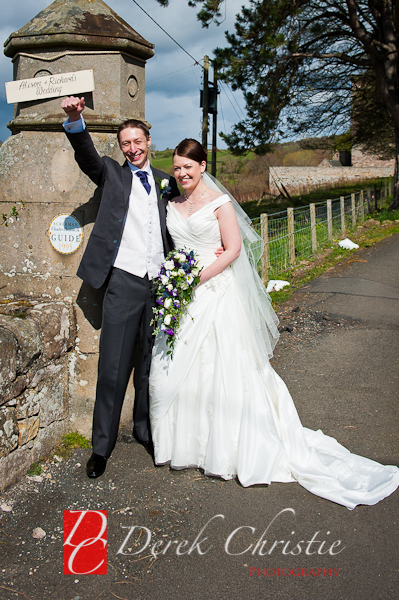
[{"x": 219, "y": 252}]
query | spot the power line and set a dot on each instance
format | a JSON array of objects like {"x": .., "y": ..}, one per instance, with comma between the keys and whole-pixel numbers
[
  {"x": 171, "y": 73},
  {"x": 173, "y": 40},
  {"x": 232, "y": 105}
]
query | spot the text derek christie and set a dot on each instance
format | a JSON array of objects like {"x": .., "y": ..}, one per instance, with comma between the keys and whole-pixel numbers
[{"x": 139, "y": 538}]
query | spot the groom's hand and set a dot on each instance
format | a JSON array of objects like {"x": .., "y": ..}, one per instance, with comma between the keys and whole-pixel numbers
[
  {"x": 219, "y": 252},
  {"x": 73, "y": 107}
]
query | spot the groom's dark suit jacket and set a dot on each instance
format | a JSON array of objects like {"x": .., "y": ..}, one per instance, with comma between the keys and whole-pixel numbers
[{"x": 115, "y": 182}]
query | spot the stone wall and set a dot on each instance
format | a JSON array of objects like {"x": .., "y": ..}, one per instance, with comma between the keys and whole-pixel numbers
[
  {"x": 303, "y": 179},
  {"x": 36, "y": 340},
  {"x": 369, "y": 160},
  {"x": 40, "y": 169}
]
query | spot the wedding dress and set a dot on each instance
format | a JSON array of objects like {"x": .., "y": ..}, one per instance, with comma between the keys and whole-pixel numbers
[{"x": 218, "y": 404}]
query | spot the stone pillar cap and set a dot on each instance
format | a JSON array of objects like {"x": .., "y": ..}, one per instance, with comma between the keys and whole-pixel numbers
[{"x": 86, "y": 23}]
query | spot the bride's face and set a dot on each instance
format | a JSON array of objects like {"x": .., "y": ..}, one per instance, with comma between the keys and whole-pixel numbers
[{"x": 188, "y": 172}]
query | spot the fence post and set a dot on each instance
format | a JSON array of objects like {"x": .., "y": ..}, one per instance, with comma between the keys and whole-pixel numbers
[
  {"x": 368, "y": 192},
  {"x": 313, "y": 227},
  {"x": 291, "y": 235},
  {"x": 329, "y": 219},
  {"x": 264, "y": 232},
  {"x": 362, "y": 206},
  {"x": 342, "y": 205},
  {"x": 353, "y": 203}
]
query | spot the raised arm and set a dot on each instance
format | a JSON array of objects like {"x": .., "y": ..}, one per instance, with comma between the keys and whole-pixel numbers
[
  {"x": 231, "y": 240},
  {"x": 86, "y": 155}
]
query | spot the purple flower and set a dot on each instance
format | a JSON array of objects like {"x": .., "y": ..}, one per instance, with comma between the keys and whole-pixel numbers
[
  {"x": 159, "y": 301},
  {"x": 170, "y": 331},
  {"x": 174, "y": 293}
]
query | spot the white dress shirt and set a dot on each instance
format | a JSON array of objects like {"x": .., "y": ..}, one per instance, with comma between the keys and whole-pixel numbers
[{"x": 141, "y": 248}]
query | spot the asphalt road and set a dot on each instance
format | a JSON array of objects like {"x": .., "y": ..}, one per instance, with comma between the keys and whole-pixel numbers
[{"x": 344, "y": 380}]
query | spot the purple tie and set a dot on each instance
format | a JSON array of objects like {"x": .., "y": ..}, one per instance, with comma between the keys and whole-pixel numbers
[{"x": 142, "y": 175}]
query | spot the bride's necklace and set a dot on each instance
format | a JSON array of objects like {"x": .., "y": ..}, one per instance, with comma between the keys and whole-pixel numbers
[{"x": 192, "y": 203}]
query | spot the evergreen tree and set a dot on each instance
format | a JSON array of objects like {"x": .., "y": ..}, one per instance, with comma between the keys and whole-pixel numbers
[{"x": 299, "y": 64}]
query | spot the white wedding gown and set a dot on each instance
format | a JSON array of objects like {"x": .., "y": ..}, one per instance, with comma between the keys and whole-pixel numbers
[{"x": 212, "y": 407}]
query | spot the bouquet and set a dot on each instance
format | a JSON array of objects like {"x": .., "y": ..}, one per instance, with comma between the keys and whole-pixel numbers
[{"x": 175, "y": 284}]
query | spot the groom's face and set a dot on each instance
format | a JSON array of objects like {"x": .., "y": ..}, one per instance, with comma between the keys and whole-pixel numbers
[{"x": 135, "y": 146}]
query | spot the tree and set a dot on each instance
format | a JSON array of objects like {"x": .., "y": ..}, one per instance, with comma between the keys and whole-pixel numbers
[
  {"x": 372, "y": 127},
  {"x": 297, "y": 62}
]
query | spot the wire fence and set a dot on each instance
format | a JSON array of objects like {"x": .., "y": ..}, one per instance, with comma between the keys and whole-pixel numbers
[{"x": 297, "y": 233}]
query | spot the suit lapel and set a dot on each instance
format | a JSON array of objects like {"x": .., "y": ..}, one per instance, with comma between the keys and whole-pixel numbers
[
  {"x": 127, "y": 176},
  {"x": 161, "y": 206}
]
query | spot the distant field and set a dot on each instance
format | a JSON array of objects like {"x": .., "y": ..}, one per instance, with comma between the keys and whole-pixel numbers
[
  {"x": 163, "y": 163},
  {"x": 225, "y": 162},
  {"x": 247, "y": 177}
]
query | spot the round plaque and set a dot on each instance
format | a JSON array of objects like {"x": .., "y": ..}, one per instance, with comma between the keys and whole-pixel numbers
[
  {"x": 132, "y": 86},
  {"x": 65, "y": 234}
]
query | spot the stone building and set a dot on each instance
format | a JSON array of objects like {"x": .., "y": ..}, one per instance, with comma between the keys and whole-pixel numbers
[{"x": 37, "y": 167}]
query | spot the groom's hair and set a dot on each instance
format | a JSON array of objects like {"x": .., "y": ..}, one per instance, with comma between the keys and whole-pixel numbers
[
  {"x": 190, "y": 148},
  {"x": 133, "y": 124}
]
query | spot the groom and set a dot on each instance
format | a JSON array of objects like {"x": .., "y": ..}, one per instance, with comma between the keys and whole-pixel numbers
[{"x": 128, "y": 242}]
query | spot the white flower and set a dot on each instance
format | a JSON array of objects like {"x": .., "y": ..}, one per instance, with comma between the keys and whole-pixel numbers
[
  {"x": 168, "y": 303},
  {"x": 164, "y": 279},
  {"x": 181, "y": 258},
  {"x": 174, "y": 273},
  {"x": 189, "y": 279},
  {"x": 167, "y": 320},
  {"x": 169, "y": 287},
  {"x": 169, "y": 265},
  {"x": 164, "y": 183},
  {"x": 181, "y": 272},
  {"x": 195, "y": 271}
]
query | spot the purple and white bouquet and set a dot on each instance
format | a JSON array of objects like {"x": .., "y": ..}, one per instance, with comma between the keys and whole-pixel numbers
[{"x": 175, "y": 284}]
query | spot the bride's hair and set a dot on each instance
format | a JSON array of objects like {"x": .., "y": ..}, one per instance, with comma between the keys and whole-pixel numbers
[{"x": 190, "y": 148}]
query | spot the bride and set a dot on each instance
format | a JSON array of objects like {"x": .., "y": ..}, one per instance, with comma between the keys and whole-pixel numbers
[{"x": 218, "y": 405}]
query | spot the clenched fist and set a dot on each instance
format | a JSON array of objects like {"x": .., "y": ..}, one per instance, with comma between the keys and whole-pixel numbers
[{"x": 73, "y": 107}]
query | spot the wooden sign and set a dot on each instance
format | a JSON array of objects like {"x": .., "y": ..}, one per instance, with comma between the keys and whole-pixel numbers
[{"x": 50, "y": 86}]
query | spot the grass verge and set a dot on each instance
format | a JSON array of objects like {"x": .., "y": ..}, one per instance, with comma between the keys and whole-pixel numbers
[{"x": 301, "y": 274}]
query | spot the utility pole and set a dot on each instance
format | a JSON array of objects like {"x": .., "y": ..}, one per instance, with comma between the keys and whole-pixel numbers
[
  {"x": 214, "y": 124},
  {"x": 205, "y": 105}
]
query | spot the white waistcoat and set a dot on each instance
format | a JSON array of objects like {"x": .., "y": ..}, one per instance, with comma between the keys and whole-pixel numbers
[{"x": 141, "y": 247}]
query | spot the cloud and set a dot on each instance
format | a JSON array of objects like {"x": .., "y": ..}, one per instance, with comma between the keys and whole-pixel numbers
[{"x": 172, "y": 80}]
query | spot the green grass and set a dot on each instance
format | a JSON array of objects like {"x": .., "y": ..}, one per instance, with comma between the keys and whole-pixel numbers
[
  {"x": 163, "y": 164},
  {"x": 299, "y": 278},
  {"x": 163, "y": 160},
  {"x": 35, "y": 469},
  {"x": 64, "y": 449},
  {"x": 70, "y": 442},
  {"x": 255, "y": 208},
  {"x": 386, "y": 215}
]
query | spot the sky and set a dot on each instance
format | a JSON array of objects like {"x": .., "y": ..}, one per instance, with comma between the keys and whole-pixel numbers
[{"x": 172, "y": 79}]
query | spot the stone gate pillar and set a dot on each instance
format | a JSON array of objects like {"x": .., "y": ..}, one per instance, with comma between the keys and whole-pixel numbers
[{"x": 37, "y": 164}]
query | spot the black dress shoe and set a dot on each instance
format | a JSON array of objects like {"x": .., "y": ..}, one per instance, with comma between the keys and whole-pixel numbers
[
  {"x": 96, "y": 466},
  {"x": 148, "y": 445}
]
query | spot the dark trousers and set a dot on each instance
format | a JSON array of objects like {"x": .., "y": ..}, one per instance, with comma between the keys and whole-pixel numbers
[{"x": 127, "y": 312}]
